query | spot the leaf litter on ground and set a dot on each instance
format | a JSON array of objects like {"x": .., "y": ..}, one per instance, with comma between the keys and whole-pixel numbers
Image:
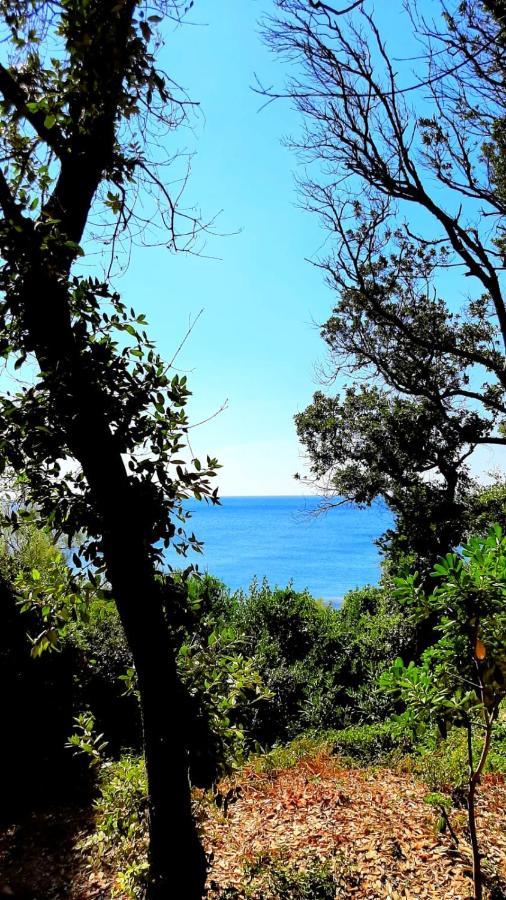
[{"x": 371, "y": 825}]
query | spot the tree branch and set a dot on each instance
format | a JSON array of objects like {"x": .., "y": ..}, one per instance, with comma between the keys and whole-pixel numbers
[{"x": 15, "y": 94}]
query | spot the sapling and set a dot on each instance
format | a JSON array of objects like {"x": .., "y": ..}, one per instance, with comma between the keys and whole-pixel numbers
[{"x": 460, "y": 680}]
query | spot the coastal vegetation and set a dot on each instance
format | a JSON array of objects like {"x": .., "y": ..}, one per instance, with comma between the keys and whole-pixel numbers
[
  {"x": 179, "y": 739},
  {"x": 276, "y": 679}
]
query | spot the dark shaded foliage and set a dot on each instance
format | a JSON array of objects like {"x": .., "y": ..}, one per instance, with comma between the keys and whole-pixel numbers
[{"x": 37, "y": 708}]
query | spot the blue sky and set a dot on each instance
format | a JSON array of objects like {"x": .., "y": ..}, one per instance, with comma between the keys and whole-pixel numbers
[{"x": 256, "y": 344}]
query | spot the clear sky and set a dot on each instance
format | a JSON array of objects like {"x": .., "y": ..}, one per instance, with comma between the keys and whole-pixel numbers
[{"x": 256, "y": 344}]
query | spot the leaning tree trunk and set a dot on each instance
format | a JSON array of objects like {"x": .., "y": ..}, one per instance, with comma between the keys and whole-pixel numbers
[
  {"x": 177, "y": 860},
  {"x": 50, "y": 325}
]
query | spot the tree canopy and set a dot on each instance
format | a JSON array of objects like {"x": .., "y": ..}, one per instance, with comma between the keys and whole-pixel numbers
[{"x": 405, "y": 171}]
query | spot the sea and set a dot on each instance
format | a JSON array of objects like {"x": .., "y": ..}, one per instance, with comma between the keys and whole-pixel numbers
[{"x": 287, "y": 541}]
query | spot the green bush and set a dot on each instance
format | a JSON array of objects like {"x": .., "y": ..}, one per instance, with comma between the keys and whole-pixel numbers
[
  {"x": 321, "y": 664},
  {"x": 270, "y": 879},
  {"x": 375, "y": 631},
  {"x": 497, "y": 755},
  {"x": 442, "y": 764},
  {"x": 366, "y": 744},
  {"x": 285, "y": 756},
  {"x": 119, "y": 841},
  {"x": 101, "y": 657},
  {"x": 443, "y": 767},
  {"x": 316, "y": 883},
  {"x": 295, "y": 643}
]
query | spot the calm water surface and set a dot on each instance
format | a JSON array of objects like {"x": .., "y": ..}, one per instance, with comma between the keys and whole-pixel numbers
[{"x": 279, "y": 538}]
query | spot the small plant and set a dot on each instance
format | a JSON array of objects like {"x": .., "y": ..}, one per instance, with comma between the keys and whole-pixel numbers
[
  {"x": 285, "y": 756},
  {"x": 119, "y": 840},
  {"x": 59, "y": 597},
  {"x": 268, "y": 878},
  {"x": 442, "y": 804},
  {"x": 85, "y": 741},
  {"x": 366, "y": 744},
  {"x": 461, "y": 680},
  {"x": 316, "y": 883},
  {"x": 223, "y": 684},
  {"x": 443, "y": 766}
]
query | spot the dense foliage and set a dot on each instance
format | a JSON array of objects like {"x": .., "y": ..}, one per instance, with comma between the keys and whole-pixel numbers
[
  {"x": 460, "y": 681},
  {"x": 260, "y": 666}
]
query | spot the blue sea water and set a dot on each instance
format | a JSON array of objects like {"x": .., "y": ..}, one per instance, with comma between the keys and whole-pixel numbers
[{"x": 281, "y": 539}]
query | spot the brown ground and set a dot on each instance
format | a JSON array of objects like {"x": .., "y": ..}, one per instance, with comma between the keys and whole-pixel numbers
[
  {"x": 374, "y": 825},
  {"x": 39, "y": 860}
]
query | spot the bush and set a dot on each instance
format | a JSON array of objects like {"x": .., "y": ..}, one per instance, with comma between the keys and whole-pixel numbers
[
  {"x": 100, "y": 658},
  {"x": 443, "y": 767},
  {"x": 375, "y": 631},
  {"x": 442, "y": 764},
  {"x": 270, "y": 879},
  {"x": 295, "y": 642},
  {"x": 119, "y": 841},
  {"x": 497, "y": 755},
  {"x": 285, "y": 756},
  {"x": 315, "y": 883},
  {"x": 321, "y": 664},
  {"x": 376, "y": 743}
]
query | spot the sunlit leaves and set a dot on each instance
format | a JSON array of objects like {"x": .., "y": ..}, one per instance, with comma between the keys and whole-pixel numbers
[{"x": 465, "y": 670}]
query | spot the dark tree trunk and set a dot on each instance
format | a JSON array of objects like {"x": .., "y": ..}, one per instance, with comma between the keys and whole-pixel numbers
[
  {"x": 123, "y": 516},
  {"x": 177, "y": 860}
]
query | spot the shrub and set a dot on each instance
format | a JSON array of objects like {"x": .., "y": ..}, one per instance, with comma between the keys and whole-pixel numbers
[
  {"x": 375, "y": 630},
  {"x": 442, "y": 764},
  {"x": 224, "y": 687},
  {"x": 366, "y": 744},
  {"x": 285, "y": 756},
  {"x": 315, "y": 883},
  {"x": 119, "y": 841},
  {"x": 321, "y": 664},
  {"x": 296, "y": 644},
  {"x": 497, "y": 756},
  {"x": 34, "y": 765},
  {"x": 271, "y": 879},
  {"x": 443, "y": 767},
  {"x": 101, "y": 658},
  {"x": 460, "y": 681}
]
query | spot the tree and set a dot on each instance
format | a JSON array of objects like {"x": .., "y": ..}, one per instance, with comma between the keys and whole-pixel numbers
[
  {"x": 410, "y": 185},
  {"x": 369, "y": 444},
  {"x": 461, "y": 680},
  {"x": 98, "y": 432}
]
